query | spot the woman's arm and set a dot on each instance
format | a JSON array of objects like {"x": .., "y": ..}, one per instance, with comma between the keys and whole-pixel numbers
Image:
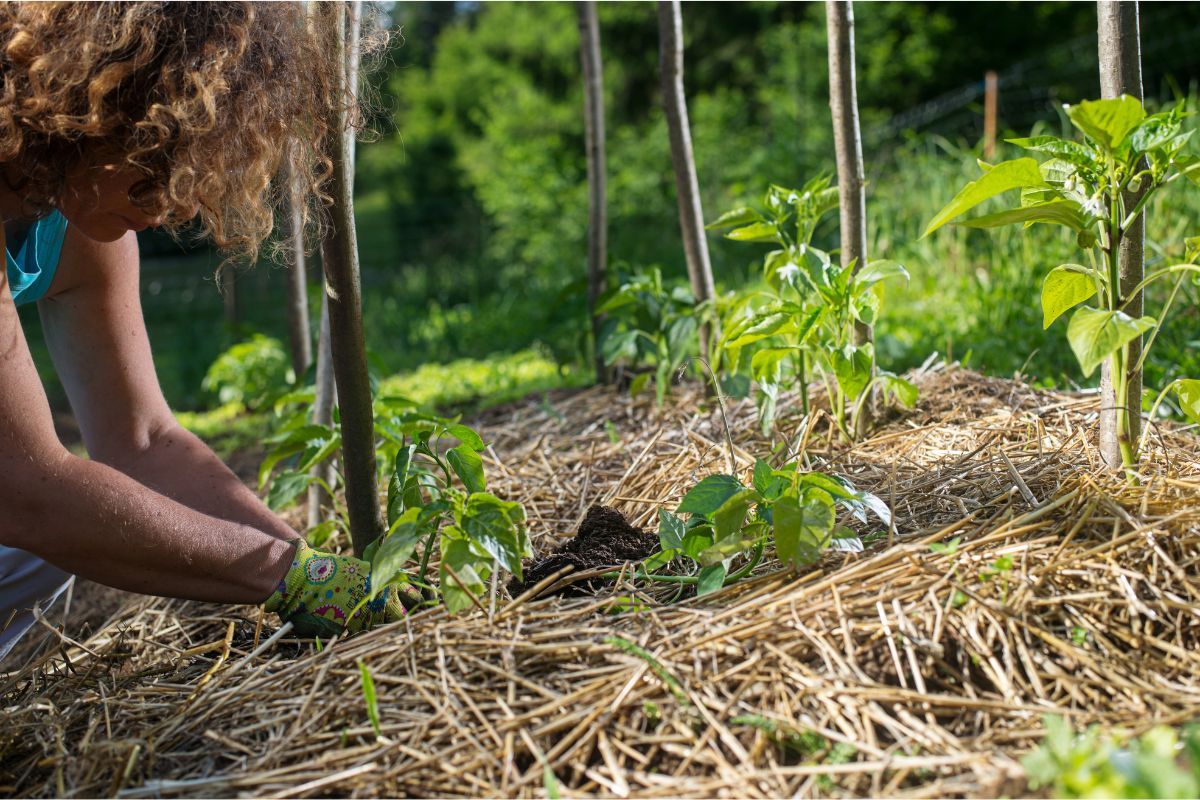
[
  {"x": 97, "y": 337},
  {"x": 87, "y": 518}
]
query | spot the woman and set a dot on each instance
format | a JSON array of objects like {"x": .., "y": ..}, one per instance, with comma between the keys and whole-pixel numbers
[{"x": 115, "y": 117}]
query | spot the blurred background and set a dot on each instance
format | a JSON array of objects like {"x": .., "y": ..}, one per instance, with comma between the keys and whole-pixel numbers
[{"x": 472, "y": 204}]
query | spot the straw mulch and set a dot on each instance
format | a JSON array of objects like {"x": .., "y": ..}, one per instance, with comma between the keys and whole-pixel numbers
[{"x": 896, "y": 671}]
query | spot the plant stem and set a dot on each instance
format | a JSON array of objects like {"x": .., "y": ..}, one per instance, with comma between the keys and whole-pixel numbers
[
  {"x": 748, "y": 567},
  {"x": 802, "y": 373}
]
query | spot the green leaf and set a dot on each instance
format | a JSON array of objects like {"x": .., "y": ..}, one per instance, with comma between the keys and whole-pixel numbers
[
  {"x": 903, "y": 390},
  {"x": 1055, "y": 212},
  {"x": 766, "y": 366},
  {"x": 832, "y": 486},
  {"x": 802, "y": 532},
  {"x": 395, "y": 495},
  {"x": 880, "y": 270},
  {"x": 286, "y": 488},
  {"x": 755, "y": 232},
  {"x": 1109, "y": 121},
  {"x": 1073, "y": 152},
  {"x": 764, "y": 477},
  {"x": 467, "y": 436},
  {"x": 369, "y": 697},
  {"x": 468, "y": 466},
  {"x": 1065, "y": 287},
  {"x": 711, "y": 579},
  {"x": 456, "y": 553},
  {"x": 1016, "y": 174},
  {"x": 852, "y": 367},
  {"x": 498, "y": 526},
  {"x": 316, "y": 454},
  {"x": 738, "y": 216},
  {"x": 619, "y": 345},
  {"x": 762, "y": 326},
  {"x": 728, "y": 519},
  {"x": 639, "y": 383},
  {"x": 395, "y": 550},
  {"x": 1188, "y": 392},
  {"x": 319, "y": 534},
  {"x": 709, "y": 494},
  {"x": 660, "y": 559},
  {"x": 671, "y": 530},
  {"x": 1095, "y": 334},
  {"x": 696, "y": 541}
]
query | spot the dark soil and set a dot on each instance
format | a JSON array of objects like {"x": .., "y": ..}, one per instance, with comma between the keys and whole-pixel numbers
[{"x": 605, "y": 539}]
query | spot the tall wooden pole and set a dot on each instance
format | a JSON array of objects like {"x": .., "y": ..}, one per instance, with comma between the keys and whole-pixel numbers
[
  {"x": 991, "y": 86},
  {"x": 299, "y": 335},
  {"x": 847, "y": 140},
  {"x": 593, "y": 123},
  {"x": 687, "y": 186},
  {"x": 339, "y": 252},
  {"x": 326, "y": 388},
  {"x": 1121, "y": 73}
]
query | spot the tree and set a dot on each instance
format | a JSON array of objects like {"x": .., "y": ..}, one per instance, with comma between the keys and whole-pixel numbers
[
  {"x": 1121, "y": 73},
  {"x": 593, "y": 118},
  {"x": 687, "y": 187},
  {"x": 339, "y": 252},
  {"x": 847, "y": 140}
]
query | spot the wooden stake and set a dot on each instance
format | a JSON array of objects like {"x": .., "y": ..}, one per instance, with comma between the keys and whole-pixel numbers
[
  {"x": 339, "y": 252},
  {"x": 1121, "y": 73},
  {"x": 847, "y": 139},
  {"x": 687, "y": 186},
  {"x": 593, "y": 118},
  {"x": 990, "y": 87}
]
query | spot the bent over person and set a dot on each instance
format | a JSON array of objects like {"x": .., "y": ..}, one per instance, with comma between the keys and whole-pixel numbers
[{"x": 115, "y": 117}]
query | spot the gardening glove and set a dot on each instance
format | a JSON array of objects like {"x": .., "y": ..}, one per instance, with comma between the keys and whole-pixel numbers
[{"x": 320, "y": 592}]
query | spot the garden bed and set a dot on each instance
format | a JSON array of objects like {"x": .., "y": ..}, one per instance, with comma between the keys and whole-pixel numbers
[{"x": 905, "y": 669}]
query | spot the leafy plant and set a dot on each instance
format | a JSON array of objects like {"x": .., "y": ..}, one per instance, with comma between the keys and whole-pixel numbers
[
  {"x": 649, "y": 323},
  {"x": 804, "y": 323},
  {"x": 249, "y": 373},
  {"x": 1083, "y": 186},
  {"x": 794, "y": 510},
  {"x": 437, "y": 497},
  {"x": 1159, "y": 763}
]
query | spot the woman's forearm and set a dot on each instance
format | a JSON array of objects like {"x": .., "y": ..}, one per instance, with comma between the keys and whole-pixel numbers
[
  {"x": 177, "y": 464},
  {"x": 91, "y": 520}
]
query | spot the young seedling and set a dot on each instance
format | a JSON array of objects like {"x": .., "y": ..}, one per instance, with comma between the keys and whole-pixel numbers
[
  {"x": 795, "y": 511},
  {"x": 648, "y": 323},
  {"x": 437, "y": 499},
  {"x": 804, "y": 323},
  {"x": 1081, "y": 186}
]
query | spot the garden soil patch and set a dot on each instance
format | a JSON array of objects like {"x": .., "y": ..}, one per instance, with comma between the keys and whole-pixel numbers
[
  {"x": 898, "y": 671},
  {"x": 605, "y": 539}
]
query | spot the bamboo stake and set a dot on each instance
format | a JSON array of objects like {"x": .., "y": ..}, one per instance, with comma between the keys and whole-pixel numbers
[{"x": 593, "y": 118}]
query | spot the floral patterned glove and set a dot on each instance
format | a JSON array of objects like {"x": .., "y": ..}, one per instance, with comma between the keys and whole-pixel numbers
[{"x": 320, "y": 591}]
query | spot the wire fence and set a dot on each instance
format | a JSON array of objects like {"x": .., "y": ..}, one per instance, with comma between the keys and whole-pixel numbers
[{"x": 1033, "y": 89}]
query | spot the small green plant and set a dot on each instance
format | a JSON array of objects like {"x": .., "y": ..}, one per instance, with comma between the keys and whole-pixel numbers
[
  {"x": 650, "y": 324},
  {"x": 370, "y": 698},
  {"x": 250, "y": 373},
  {"x": 1083, "y": 186},
  {"x": 803, "y": 325},
  {"x": 437, "y": 497},
  {"x": 794, "y": 510},
  {"x": 1159, "y": 763}
]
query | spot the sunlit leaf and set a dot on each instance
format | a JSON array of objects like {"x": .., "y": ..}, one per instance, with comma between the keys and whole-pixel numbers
[
  {"x": 1016, "y": 174},
  {"x": 1096, "y": 334},
  {"x": 1065, "y": 287}
]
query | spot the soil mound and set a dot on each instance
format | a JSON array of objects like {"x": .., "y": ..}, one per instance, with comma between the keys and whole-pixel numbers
[{"x": 605, "y": 538}]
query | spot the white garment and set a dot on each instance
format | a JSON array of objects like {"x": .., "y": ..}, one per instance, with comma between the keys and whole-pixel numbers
[{"x": 25, "y": 581}]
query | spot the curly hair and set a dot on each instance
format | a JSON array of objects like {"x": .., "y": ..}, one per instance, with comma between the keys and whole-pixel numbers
[{"x": 206, "y": 99}]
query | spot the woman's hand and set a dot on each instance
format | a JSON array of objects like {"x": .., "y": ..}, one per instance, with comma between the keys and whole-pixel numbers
[{"x": 323, "y": 594}]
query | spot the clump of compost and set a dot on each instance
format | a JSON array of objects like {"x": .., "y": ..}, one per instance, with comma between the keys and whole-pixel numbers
[{"x": 605, "y": 538}]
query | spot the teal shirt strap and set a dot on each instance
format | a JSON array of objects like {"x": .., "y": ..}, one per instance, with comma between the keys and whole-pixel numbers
[{"x": 32, "y": 269}]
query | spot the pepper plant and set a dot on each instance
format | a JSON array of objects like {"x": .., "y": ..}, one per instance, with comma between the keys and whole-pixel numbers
[
  {"x": 794, "y": 510},
  {"x": 802, "y": 325},
  {"x": 437, "y": 498},
  {"x": 1082, "y": 186},
  {"x": 650, "y": 323}
]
